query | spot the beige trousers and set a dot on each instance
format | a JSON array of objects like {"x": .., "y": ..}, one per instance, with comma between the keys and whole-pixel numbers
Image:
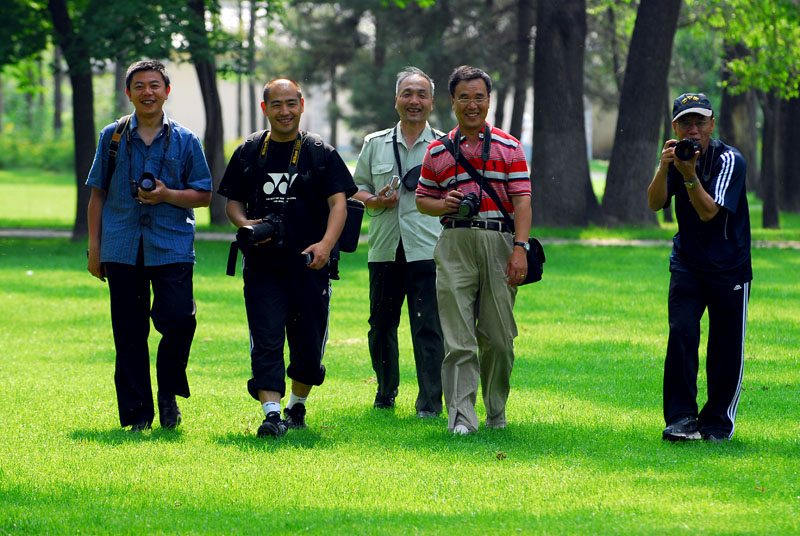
[{"x": 476, "y": 313}]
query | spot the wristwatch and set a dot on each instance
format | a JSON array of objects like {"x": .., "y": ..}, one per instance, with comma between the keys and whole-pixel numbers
[
  {"x": 523, "y": 245},
  {"x": 691, "y": 184}
]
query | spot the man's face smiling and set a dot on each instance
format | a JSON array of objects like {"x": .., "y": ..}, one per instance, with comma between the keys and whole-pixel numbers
[
  {"x": 414, "y": 101},
  {"x": 471, "y": 105},
  {"x": 283, "y": 111},
  {"x": 148, "y": 92}
]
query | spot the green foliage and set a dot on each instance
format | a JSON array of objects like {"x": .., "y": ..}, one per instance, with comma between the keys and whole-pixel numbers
[
  {"x": 45, "y": 151},
  {"x": 582, "y": 453},
  {"x": 23, "y": 26},
  {"x": 771, "y": 32}
]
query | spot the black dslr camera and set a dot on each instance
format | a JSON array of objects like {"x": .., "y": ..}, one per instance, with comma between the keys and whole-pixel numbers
[
  {"x": 146, "y": 182},
  {"x": 685, "y": 149},
  {"x": 469, "y": 206},
  {"x": 270, "y": 227}
]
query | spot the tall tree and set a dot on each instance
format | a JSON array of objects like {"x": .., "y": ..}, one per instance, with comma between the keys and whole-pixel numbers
[
  {"x": 562, "y": 187},
  {"x": 58, "y": 95},
  {"x": 769, "y": 31},
  {"x": 205, "y": 66},
  {"x": 641, "y": 105},
  {"x": 525, "y": 11},
  {"x": 77, "y": 54}
]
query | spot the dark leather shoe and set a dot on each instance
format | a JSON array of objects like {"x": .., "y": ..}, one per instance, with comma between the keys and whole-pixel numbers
[
  {"x": 168, "y": 413},
  {"x": 140, "y": 426},
  {"x": 383, "y": 402},
  {"x": 684, "y": 429}
]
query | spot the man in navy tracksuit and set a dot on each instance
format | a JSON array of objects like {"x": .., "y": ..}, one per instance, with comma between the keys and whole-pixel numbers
[{"x": 710, "y": 269}]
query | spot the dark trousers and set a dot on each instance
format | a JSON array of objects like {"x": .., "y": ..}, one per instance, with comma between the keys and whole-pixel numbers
[
  {"x": 727, "y": 320},
  {"x": 173, "y": 314},
  {"x": 389, "y": 284},
  {"x": 283, "y": 306}
]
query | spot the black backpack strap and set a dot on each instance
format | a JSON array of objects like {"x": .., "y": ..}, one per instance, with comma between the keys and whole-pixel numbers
[
  {"x": 316, "y": 150},
  {"x": 113, "y": 146},
  {"x": 469, "y": 168}
]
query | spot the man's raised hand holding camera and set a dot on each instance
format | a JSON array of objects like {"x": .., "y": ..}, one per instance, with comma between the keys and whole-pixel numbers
[
  {"x": 141, "y": 233},
  {"x": 286, "y": 193},
  {"x": 710, "y": 269}
]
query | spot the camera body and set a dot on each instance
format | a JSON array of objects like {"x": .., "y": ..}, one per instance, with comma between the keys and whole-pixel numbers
[
  {"x": 146, "y": 182},
  {"x": 270, "y": 227},
  {"x": 686, "y": 148},
  {"x": 469, "y": 206}
]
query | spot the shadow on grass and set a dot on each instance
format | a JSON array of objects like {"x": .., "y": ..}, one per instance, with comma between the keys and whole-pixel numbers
[{"x": 119, "y": 436}]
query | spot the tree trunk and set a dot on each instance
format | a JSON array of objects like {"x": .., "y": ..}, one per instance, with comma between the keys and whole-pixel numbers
[
  {"x": 205, "y": 66},
  {"x": 521, "y": 65},
  {"x": 122, "y": 105},
  {"x": 636, "y": 147},
  {"x": 668, "y": 134},
  {"x": 562, "y": 186},
  {"x": 770, "y": 104},
  {"x": 251, "y": 67},
  {"x": 84, "y": 134},
  {"x": 333, "y": 107},
  {"x": 789, "y": 180},
  {"x": 736, "y": 121},
  {"x": 58, "y": 95},
  {"x": 500, "y": 91}
]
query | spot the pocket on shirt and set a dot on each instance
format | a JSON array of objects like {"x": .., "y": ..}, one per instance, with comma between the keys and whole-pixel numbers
[
  {"x": 381, "y": 174},
  {"x": 170, "y": 174}
]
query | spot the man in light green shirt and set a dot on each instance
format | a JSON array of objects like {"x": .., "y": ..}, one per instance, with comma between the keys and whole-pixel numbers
[{"x": 401, "y": 242}]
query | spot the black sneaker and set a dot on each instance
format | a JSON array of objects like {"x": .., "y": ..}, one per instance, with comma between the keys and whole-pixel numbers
[
  {"x": 169, "y": 415},
  {"x": 715, "y": 437},
  {"x": 295, "y": 417},
  {"x": 684, "y": 429},
  {"x": 273, "y": 425}
]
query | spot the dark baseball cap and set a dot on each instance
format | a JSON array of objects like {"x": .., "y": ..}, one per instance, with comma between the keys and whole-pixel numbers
[{"x": 691, "y": 103}]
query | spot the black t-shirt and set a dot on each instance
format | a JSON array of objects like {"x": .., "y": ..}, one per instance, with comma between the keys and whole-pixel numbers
[
  {"x": 717, "y": 251},
  {"x": 299, "y": 201}
]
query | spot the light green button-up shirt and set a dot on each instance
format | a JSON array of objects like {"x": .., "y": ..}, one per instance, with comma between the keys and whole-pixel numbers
[{"x": 374, "y": 170}]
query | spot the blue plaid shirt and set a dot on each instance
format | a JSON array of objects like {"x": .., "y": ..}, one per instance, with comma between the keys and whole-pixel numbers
[{"x": 167, "y": 231}]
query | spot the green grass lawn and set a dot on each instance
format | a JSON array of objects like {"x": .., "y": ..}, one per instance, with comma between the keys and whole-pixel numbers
[{"x": 582, "y": 453}]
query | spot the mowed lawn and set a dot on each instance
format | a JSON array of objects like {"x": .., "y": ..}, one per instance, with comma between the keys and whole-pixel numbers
[{"x": 582, "y": 453}]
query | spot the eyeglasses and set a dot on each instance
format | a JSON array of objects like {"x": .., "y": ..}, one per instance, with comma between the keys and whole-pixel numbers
[
  {"x": 480, "y": 101},
  {"x": 686, "y": 124}
]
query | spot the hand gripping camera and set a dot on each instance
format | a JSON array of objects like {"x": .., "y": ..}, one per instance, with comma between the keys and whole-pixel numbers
[
  {"x": 270, "y": 227},
  {"x": 146, "y": 182},
  {"x": 469, "y": 206},
  {"x": 686, "y": 148}
]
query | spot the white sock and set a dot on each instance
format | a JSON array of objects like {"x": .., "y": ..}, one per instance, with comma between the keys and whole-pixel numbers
[
  {"x": 294, "y": 399},
  {"x": 269, "y": 407}
]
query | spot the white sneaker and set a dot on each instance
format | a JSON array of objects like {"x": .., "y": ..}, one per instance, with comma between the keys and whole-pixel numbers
[{"x": 460, "y": 429}]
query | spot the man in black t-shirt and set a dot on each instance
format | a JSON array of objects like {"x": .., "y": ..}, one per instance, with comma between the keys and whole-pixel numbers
[
  {"x": 287, "y": 296},
  {"x": 710, "y": 269}
]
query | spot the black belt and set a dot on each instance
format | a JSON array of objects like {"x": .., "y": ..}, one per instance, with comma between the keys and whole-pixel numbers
[{"x": 491, "y": 225}]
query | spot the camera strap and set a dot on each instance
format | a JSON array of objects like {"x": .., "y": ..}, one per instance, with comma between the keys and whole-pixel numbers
[{"x": 477, "y": 177}]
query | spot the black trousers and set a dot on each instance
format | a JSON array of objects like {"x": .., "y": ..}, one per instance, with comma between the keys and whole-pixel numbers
[
  {"x": 280, "y": 307},
  {"x": 727, "y": 320},
  {"x": 389, "y": 284},
  {"x": 173, "y": 313}
]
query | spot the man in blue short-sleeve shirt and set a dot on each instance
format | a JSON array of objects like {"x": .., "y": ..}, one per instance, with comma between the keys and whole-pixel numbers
[
  {"x": 710, "y": 269},
  {"x": 141, "y": 233}
]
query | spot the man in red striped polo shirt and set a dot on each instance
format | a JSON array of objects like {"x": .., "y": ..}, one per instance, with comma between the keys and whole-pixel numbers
[{"x": 479, "y": 262}]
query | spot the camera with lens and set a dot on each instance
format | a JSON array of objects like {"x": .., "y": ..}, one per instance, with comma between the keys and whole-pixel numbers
[
  {"x": 686, "y": 148},
  {"x": 469, "y": 206},
  {"x": 270, "y": 227},
  {"x": 146, "y": 182}
]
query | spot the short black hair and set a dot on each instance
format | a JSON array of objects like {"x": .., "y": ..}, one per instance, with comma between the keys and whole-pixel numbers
[
  {"x": 274, "y": 81},
  {"x": 146, "y": 65},
  {"x": 467, "y": 72}
]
